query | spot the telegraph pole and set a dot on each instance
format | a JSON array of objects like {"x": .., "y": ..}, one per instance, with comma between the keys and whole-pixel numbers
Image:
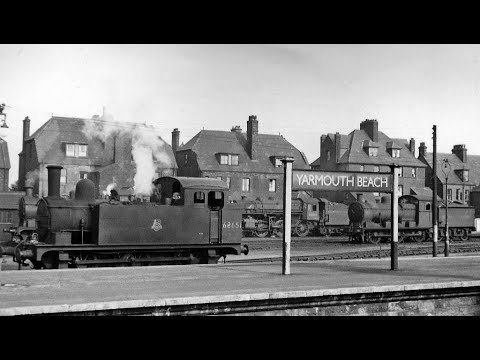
[{"x": 434, "y": 206}]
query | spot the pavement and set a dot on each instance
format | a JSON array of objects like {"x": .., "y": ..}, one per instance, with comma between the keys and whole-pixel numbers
[{"x": 44, "y": 291}]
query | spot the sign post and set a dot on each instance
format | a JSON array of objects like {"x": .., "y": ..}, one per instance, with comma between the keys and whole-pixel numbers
[{"x": 287, "y": 213}]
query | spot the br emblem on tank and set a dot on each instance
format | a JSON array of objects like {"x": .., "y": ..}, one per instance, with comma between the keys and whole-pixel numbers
[{"x": 157, "y": 225}]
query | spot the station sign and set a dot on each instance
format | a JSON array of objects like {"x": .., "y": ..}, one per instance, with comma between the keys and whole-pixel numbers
[{"x": 342, "y": 181}]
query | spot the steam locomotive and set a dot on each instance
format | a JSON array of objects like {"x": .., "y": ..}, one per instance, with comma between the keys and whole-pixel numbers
[
  {"x": 371, "y": 221},
  {"x": 185, "y": 223},
  {"x": 310, "y": 216}
]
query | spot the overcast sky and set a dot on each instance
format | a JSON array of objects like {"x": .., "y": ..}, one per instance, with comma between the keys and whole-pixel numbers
[{"x": 300, "y": 91}]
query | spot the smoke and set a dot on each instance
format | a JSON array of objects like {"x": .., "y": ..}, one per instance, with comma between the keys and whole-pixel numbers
[
  {"x": 149, "y": 151},
  {"x": 109, "y": 189},
  {"x": 31, "y": 177}
]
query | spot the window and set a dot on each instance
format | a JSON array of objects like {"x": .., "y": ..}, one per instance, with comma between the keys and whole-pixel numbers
[
  {"x": 467, "y": 195},
  {"x": 185, "y": 159},
  {"x": 376, "y": 169},
  {"x": 396, "y": 153},
  {"x": 278, "y": 162},
  {"x": 199, "y": 197},
  {"x": 449, "y": 194},
  {"x": 428, "y": 206},
  {"x": 414, "y": 172},
  {"x": 76, "y": 150},
  {"x": 465, "y": 176},
  {"x": 272, "y": 186},
  {"x": 400, "y": 190},
  {"x": 372, "y": 152},
  {"x": 459, "y": 194},
  {"x": 246, "y": 184},
  {"x": 228, "y": 159},
  {"x": 82, "y": 150},
  {"x": 376, "y": 194},
  {"x": 228, "y": 181},
  {"x": 361, "y": 167},
  {"x": 84, "y": 175},
  {"x": 328, "y": 155},
  {"x": 63, "y": 176}
]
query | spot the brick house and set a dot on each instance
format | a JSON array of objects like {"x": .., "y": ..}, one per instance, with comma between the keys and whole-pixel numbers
[
  {"x": 370, "y": 150},
  {"x": 4, "y": 165},
  {"x": 249, "y": 162},
  {"x": 86, "y": 148},
  {"x": 464, "y": 174}
]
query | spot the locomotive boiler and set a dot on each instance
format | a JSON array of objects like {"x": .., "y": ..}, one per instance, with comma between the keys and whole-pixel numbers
[
  {"x": 371, "y": 221},
  {"x": 187, "y": 223}
]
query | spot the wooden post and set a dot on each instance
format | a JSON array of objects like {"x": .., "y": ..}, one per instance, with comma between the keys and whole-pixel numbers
[
  {"x": 394, "y": 220},
  {"x": 287, "y": 213}
]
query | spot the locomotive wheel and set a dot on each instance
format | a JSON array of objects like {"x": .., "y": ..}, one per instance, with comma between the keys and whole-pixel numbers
[
  {"x": 302, "y": 229},
  {"x": 261, "y": 231},
  {"x": 421, "y": 238},
  {"x": 464, "y": 236},
  {"x": 278, "y": 231}
]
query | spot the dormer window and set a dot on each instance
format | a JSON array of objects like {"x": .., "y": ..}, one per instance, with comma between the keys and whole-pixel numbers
[
  {"x": 228, "y": 159},
  {"x": 462, "y": 174},
  {"x": 76, "y": 150},
  {"x": 370, "y": 148},
  {"x": 277, "y": 160},
  {"x": 393, "y": 149}
]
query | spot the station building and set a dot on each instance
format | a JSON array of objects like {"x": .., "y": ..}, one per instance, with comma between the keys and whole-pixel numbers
[
  {"x": 249, "y": 162},
  {"x": 369, "y": 150},
  {"x": 93, "y": 148}
]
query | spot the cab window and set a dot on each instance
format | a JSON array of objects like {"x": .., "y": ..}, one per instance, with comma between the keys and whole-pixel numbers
[
  {"x": 199, "y": 197},
  {"x": 215, "y": 200}
]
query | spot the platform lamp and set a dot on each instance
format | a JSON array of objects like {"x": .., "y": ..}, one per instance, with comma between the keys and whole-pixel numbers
[{"x": 446, "y": 168}]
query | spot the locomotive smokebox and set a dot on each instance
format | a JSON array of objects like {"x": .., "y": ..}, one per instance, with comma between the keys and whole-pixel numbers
[
  {"x": 85, "y": 190},
  {"x": 54, "y": 172}
]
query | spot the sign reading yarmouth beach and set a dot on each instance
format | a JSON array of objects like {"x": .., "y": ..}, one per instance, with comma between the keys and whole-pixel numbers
[{"x": 335, "y": 180}]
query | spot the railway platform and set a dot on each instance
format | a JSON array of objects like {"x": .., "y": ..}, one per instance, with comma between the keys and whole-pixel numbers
[{"x": 421, "y": 286}]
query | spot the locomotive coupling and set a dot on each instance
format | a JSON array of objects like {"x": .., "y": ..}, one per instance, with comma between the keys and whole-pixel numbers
[
  {"x": 21, "y": 255},
  {"x": 244, "y": 249}
]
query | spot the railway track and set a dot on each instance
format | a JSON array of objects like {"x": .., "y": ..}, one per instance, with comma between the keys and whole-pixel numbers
[{"x": 371, "y": 253}]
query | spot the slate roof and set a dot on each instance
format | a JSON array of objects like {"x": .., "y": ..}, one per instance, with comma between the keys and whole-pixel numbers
[
  {"x": 472, "y": 164},
  {"x": 69, "y": 130},
  {"x": 207, "y": 143},
  {"x": 4, "y": 157},
  {"x": 355, "y": 153},
  {"x": 9, "y": 199}
]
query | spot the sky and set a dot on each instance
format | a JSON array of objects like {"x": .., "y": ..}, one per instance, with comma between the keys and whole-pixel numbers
[{"x": 300, "y": 91}]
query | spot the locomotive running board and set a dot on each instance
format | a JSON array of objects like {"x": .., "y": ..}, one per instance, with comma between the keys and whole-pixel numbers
[{"x": 131, "y": 261}]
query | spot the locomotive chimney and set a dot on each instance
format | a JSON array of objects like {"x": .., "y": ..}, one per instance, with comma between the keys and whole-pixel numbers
[
  {"x": 175, "y": 139},
  {"x": 54, "y": 172},
  {"x": 28, "y": 190}
]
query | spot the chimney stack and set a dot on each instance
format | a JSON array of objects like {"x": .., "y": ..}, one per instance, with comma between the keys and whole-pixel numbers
[
  {"x": 26, "y": 130},
  {"x": 422, "y": 150},
  {"x": 175, "y": 140},
  {"x": 461, "y": 152},
  {"x": 54, "y": 172},
  {"x": 252, "y": 133},
  {"x": 412, "y": 146},
  {"x": 236, "y": 129},
  {"x": 371, "y": 128}
]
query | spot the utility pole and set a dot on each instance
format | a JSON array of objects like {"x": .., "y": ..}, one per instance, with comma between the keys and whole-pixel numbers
[
  {"x": 434, "y": 206},
  {"x": 287, "y": 213}
]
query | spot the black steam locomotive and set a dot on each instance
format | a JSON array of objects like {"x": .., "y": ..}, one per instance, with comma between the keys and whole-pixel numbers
[
  {"x": 371, "y": 221},
  {"x": 310, "y": 216},
  {"x": 185, "y": 222}
]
